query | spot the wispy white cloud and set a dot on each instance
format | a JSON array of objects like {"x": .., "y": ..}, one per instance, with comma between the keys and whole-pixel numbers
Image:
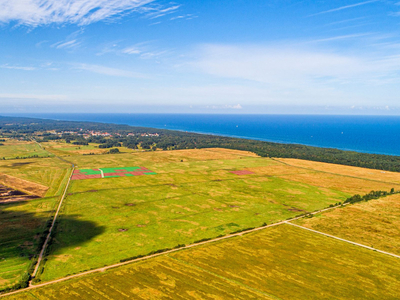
[
  {"x": 157, "y": 11},
  {"x": 108, "y": 71},
  {"x": 345, "y": 21},
  {"x": 17, "y": 68},
  {"x": 294, "y": 68},
  {"x": 185, "y": 17},
  {"x": 33, "y": 96},
  {"x": 66, "y": 45},
  {"x": 132, "y": 50},
  {"x": 143, "y": 50},
  {"x": 343, "y": 7},
  {"x": 342, "y": 37},
  {"x": 81, "y": 12}
]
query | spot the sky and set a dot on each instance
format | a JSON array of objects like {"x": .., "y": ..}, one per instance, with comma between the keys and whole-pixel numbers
[{"x": 191, "y": 56}]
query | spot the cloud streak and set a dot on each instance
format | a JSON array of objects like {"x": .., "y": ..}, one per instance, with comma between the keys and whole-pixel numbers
[
  {"x": 82, "y": 12},
  {"x": 343, "y": 7},
  {"x": 294, "y": 69},
  {"x": 108, "y": 71},
  {"x": 17, "y": 68}
]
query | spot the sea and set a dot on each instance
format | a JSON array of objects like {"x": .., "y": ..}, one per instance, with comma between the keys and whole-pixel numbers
[{"x": 369, "y": 134}]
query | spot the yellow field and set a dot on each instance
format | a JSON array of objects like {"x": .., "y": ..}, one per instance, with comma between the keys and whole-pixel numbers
[
  {"x": 375, "y": 223},
  {"x": 375, "y": 175},
  {"x": 280, "y": 262}
]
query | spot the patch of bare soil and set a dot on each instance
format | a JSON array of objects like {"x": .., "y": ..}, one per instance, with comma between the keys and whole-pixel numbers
[
  {"x": 23, "y": 185},
  {"x": 8, "y": 194}
]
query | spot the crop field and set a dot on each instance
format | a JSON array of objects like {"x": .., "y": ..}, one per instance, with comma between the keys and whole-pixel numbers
[
  {"x": 45, "y": 173},
  {"x": 193, "y": 196},
  {"x": 20, "y": 227},
  {"x": 375, "y": 175},
  {"x": 282, "y": 262},
  {"x": 374, "y": 223},
  {"x": 14, "y": 148}
]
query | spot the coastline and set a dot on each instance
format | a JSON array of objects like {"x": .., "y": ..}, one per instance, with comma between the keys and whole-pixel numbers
[{"x": 363, "y": 136}]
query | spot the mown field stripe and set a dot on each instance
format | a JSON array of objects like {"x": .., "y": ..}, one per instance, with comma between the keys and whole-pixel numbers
[{"x": 344, "y": 240}]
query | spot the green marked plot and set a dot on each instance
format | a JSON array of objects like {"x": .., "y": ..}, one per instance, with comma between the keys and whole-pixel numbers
[{"x": 90, "y": 171}]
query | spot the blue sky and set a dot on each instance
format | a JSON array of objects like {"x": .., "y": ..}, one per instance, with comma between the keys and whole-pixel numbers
[{"x": 236, "y": 56}]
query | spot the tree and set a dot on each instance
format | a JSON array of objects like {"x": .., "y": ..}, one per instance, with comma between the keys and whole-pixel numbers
[{"x": 114, "y": 151}]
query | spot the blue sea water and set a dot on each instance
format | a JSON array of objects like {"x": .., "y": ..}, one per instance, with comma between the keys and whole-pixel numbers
[{"x": 371, "y": 134}]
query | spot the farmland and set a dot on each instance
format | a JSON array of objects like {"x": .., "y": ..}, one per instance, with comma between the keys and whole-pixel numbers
[
  {"x": 374, "y": 223},
  {"x": 46, "y": 173},
  {"x": 194, "y": 196},
  {"x": 281, "y": 262},
  {"x": 21, "y": 225},
  {"x": 21, "y": 149}
]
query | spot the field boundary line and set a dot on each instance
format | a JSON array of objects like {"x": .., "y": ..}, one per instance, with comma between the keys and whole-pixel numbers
[
  {"x": 344, "y": 240},
  {"x": 52, "y": 226}
]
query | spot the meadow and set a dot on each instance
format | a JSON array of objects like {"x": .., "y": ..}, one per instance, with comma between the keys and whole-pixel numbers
[
  {"x": 194, "y": 196},
  {"x": 61, "y": 148},
  {"x": 281, "y": 262},
  {"x": 46, "y": 173},
  {"x": 12, "y": 148},
  {"x": 21, "y": 225}
]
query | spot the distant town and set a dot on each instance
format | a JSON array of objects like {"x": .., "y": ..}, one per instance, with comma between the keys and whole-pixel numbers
[{"x": 89, "y": 133}]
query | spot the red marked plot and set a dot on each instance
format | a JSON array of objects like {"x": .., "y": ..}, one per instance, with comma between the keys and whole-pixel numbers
[
  {"x": 242, "y": 172},
  {"x": 113, "y": 174},
  {"x": 82, "y": 176}
]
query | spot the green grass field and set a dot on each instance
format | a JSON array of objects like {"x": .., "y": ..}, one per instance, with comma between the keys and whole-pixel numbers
[
  {"x": 21, "y": 149},
  {"x": 61, "y": 148},
  {"x": 281, "y": 262},
  {"x": 21, "y": 225},
  {"x": 192, "y": 197}
]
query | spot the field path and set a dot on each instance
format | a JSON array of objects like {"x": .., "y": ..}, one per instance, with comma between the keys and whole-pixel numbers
[
  {"x": 40, "y": 258},
  {"x": 343, "y": 240}
]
